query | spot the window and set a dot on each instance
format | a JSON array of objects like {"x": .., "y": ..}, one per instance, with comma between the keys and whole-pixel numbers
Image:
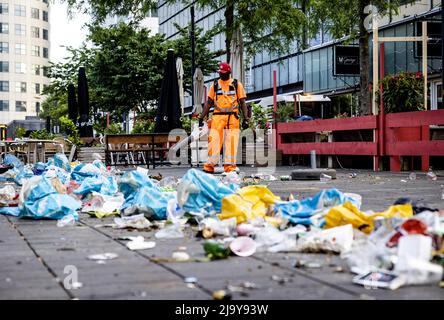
[
  {"x": 35, "y": 32},
  {"x": 35, "y": 13},
  {"x": 20, "y": 10},
  {"x": 4, "y": 86},
  {"x": 37, "y": 107},
  {"x": 20, "y": 30},
  {"x": 20, "y": 67},
  {"x": 4, "y": 8},
  {"x": 36, "y": 69},
  {"x": 20, "y": 87},
  {"x": 4, "y": 66},
  {"x": 45, "y": 71},
  {"x": 45, "y": 1},
  {"x": 35, "y": 51},
  {"x": 45, "y": 34},
  {"x": 20, "y": 48},
  {"x": 37, "y": 88},
  {"x": 4, "y": 105},
  {"x": 20, "y": 106},
  {"x": 4, "y": 47},
  {"x": 4, "y": 28},
  {"x": 45, "y": 53},
  {"x": 45, "y": 16}
]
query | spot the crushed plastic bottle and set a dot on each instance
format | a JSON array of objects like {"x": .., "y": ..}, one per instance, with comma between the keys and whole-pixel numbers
[
  {"x": 67, "y": 221},
  {"x": 412, "y": 176},
  {"x": 170, "y": 232},
  {"x": 324, "y": 178}
]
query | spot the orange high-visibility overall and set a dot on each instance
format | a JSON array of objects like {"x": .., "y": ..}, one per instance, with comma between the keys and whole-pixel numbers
[{"x": 224, "y": 124}]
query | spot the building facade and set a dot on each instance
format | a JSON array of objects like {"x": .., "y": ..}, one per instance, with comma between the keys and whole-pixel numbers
[
  {"x": 312, "y": 70},
  {"x": 24, "y": 54}
]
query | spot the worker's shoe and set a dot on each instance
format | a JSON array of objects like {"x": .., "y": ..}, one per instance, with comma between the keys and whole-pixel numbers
[
  {"x": 208, "y": 169},
  {"x": 231, "y": 168}
]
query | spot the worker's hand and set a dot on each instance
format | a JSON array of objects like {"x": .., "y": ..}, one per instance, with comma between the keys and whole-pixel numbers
[
  {"x": 246, "y": 123},
  {"x": 201, "y": 122}
]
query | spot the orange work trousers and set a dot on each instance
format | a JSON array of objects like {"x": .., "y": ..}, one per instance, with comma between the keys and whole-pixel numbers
[{"x": 225, "y": 132}]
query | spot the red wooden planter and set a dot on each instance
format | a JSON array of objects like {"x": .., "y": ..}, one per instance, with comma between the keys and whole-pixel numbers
[{"x": 402, "y": 134}]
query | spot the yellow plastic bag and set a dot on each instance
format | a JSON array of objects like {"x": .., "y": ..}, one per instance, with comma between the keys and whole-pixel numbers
[
  {"x": 248, "y": 203},
  {"x": 350, "y": 214}
]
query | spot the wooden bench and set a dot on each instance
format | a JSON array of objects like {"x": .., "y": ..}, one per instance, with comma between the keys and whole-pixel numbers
[{"x": 137, "y": 149}]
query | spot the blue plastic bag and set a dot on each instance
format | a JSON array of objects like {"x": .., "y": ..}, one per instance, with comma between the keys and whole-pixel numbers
[
  {"x": 301, "y": 211},
  {"x": 10, "y": 211},
  {"x": 132, "y": 181},
  {"x": 148, "y": 201},
  {"x": 39, "y": 168},
  {"x": 11, "y": 159},
  {"x": 23, "y": 173},
  {"x": 102, "y": 185},
  {"x": 52, "y": 171},
  {"x": 42, "y": 201},
  {"x": 82, "y": 171},
  {"x": 61, "y": 161},
  {"x": 212, "y": 191}
]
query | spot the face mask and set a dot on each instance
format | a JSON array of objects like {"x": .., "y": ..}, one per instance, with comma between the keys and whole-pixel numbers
[{"x": 224, "y": 76}]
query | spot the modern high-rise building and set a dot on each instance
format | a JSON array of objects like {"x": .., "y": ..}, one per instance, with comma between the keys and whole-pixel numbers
[{"x": 24, "y": 54}]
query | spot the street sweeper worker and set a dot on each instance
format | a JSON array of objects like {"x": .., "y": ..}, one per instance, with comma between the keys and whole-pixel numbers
[{"x": 226, "y": 96}]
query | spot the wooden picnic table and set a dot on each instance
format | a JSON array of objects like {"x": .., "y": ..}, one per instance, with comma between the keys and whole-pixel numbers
[
  {"x": 140, "y": 149},
  {"x": 32, "y": 147}
]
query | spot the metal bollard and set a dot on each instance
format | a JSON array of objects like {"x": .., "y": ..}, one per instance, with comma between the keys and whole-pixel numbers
[{"x": 313, "y": 159}]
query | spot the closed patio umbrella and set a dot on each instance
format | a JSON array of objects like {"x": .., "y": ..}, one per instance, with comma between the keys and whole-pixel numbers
[
  {"x": 198, "y": 93},
  {"x": 168, "y": 110},
  {"x": 73, "y": 111},
  {"x": 179, "y": 68},
  {"x": 83, "y": 96},
  {"x": 237, "y": 57}
]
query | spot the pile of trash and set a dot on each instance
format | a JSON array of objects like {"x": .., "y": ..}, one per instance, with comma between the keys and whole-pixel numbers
[{"x": 402, "y": 245}]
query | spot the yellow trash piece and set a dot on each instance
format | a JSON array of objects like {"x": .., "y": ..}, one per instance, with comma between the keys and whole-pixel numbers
[
  {"x": 101, "y": 214},
  {"x": 350, "y": 214},
  {"x": 247, "y": 203}
]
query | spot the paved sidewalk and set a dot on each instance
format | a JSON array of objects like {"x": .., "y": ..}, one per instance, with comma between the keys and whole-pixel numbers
[{"x": 34, "y": 255}]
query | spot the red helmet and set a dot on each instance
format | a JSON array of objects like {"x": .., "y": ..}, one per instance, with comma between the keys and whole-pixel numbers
[{"x": 224, "y": 68}]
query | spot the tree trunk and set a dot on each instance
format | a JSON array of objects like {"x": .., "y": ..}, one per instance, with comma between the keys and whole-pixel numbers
[
  {"x": 229, "y": 26},
  {"x": 364, "y": 58}
]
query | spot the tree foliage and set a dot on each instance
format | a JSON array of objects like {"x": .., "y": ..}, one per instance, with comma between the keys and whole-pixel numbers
[{"x": 124, "y": 68}]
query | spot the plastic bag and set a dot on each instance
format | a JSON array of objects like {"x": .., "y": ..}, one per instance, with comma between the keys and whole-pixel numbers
[
  {"x": 10, "y": 159},
  {"x": 302, "y": 211},
  {"x": 106, "y": 186},
  {"x": 133, "y": 222},
  {"x": 149, "y": 201},
  {"x": 218, "y": 227},
  {"x": 247, "y": 203},
  {"x": 339, "y": 239},
  {"x": 66, "y": 221},
  {"x": 133, "y": 181},
  {"x": 82, "y": 171},
  {"x": 102, "y": 205},
  {"x": 350, "y": 214},
  {"x": 7, "y": 193},
  {"x": 61, "y": 161},
  {"x": 39, "y": 199},
  {"x": 170, "y": 232},
  {"x": 211, "y": 193},
  {"x": 10, "y": 211}
]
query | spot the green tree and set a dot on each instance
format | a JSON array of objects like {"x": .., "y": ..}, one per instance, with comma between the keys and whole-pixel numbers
[
  {"x": 124, "y": 69},
  {"x": 352, "y": 21},
  {"x": 271, "y": 25}
]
